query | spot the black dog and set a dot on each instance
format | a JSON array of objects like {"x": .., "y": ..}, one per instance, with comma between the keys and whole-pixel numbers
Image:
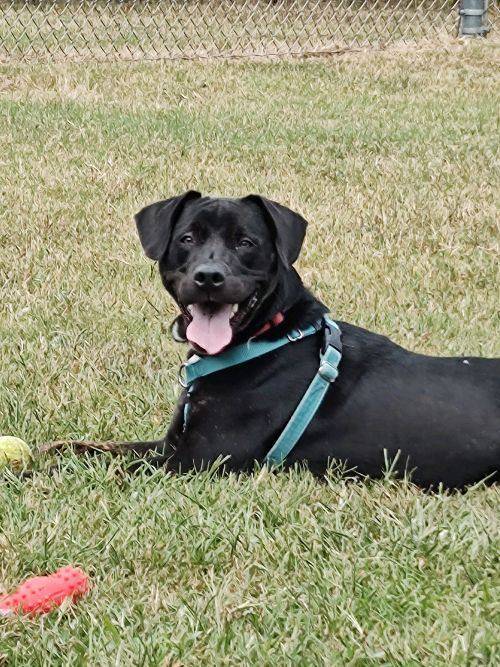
[{"x": 228, "y": 265}]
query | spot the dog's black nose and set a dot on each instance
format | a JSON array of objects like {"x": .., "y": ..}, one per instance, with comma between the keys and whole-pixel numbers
[{"x": 209, "y": 276}]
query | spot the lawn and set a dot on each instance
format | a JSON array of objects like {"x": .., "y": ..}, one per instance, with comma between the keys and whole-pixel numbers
[{"x": 393, "y": 158}]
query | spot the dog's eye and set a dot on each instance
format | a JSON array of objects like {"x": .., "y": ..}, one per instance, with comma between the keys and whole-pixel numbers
[
  {"x": 187, "y": 239},
  {"x": 245, "y": 243}
]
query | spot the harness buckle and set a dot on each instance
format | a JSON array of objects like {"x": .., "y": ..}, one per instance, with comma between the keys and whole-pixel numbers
[{"x": 332, "y": 338}]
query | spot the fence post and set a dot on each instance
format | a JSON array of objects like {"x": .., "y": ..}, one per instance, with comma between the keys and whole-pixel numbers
[{"x": 473, "y": 15}]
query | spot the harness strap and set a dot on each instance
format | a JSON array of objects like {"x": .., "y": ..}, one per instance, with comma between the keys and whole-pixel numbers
[
  {"x": 307, "y": 408},
  {"x": 196, "y": 367},
  {"x": 330, "y": 357}
]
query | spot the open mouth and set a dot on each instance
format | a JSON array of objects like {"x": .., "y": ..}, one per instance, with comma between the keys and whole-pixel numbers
[{"x": 211, "y": 325}]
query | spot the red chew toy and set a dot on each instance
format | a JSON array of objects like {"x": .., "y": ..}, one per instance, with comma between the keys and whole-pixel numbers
[{"x": 39, "y": 595}]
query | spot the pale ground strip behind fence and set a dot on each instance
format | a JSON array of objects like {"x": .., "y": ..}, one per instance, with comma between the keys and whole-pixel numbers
[{"x": 103, "y": 30}]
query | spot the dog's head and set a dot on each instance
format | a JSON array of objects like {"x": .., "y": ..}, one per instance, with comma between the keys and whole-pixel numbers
[{"x": 224, "y": 261}]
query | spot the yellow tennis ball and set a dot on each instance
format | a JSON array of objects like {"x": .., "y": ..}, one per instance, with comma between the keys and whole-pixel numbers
[{"x": 13, "y": 451}]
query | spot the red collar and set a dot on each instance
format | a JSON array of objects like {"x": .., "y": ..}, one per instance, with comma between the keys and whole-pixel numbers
[{"x": 273, "y": 322}]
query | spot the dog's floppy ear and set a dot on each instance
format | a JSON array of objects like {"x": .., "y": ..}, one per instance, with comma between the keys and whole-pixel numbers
[
  {"x": 156, "y": 222},
  {"x": 289, "y": 228}
]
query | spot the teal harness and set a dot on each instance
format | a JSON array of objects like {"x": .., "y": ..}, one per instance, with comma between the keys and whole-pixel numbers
[{"x": 330, "y": 355}]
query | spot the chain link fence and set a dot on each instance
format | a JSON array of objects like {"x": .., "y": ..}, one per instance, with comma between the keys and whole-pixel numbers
[{"x": 154, "y": 29}]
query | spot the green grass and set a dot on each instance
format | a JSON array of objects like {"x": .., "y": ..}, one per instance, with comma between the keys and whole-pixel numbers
[{"x": 393, "y": 158}]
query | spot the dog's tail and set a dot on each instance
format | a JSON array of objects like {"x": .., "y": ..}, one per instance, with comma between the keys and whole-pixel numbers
[
  {"x": 117, "y": 448},
  {"x": 139, "y": 449}
]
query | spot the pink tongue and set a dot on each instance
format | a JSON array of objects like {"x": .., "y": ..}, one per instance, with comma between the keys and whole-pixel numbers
[{"x": 210, "y": 330}]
